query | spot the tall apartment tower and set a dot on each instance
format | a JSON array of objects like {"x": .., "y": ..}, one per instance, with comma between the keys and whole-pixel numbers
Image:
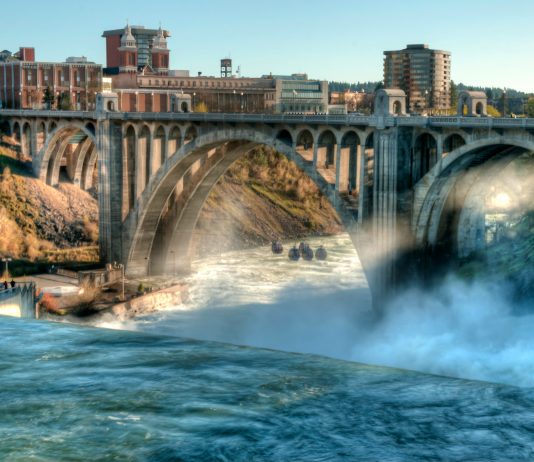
[
  {"x": 424, "y": 75},
  {"x": 226, "y": 68}
]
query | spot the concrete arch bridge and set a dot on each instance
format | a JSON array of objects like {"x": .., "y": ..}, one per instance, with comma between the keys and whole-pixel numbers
[{"x": 412, "y": 179}]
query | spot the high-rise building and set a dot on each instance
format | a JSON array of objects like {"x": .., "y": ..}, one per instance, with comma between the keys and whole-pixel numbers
[{"x": 424, "y": 75}]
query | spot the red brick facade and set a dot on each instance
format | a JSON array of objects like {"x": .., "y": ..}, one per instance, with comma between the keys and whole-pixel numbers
[{"x": 73, "y": 86}]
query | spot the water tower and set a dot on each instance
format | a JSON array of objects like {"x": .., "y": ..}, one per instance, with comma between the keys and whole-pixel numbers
[{"x": 226, "y": 67}]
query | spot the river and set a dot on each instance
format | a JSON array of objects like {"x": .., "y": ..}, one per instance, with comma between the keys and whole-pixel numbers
[
  {"x": 77, "y": 393},
  {"x": 258, "y": 299}
]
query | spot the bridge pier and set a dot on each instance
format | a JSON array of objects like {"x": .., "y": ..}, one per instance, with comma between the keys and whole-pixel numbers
[{"x": 109, "y": 146}]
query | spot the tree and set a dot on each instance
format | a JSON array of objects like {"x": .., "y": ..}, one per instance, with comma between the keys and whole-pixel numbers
[
  {"x": 454, "y": 95},
  {"x": 492, "y": 111},
  {"x": 48, "y": 98},
  {"x": 530, "y": 107},
  {"x": 201, "y": 107},
  {"x": 379, "y": 86},
  {"x": 63, "y": 101}
]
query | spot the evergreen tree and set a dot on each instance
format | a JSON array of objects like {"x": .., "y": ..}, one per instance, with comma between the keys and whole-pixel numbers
[
  {"x": 48, "y": 98},
  {"x": 454, "y": 94}
]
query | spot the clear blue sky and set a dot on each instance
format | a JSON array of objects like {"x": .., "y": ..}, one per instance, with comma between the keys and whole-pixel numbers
[{"x": 491, "y": 41}]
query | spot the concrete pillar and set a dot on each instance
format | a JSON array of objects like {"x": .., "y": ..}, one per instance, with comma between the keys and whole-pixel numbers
[
  {"x": 140, "y": 164},
  {"x": 33, "y": 139},
  {"x": 315, "y": 156},
  {"x": 108, "y": 145},
  {"x": 342, "y": 168},
  {"x": 358, "y": 168},
  {"x": 321, "y": 156}
]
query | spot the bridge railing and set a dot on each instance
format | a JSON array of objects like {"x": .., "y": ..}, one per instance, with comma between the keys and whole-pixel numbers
[{"x": 333, "y": 119}]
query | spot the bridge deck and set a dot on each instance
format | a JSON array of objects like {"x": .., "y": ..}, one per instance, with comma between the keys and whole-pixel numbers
[{"x": 333, "y": 119}]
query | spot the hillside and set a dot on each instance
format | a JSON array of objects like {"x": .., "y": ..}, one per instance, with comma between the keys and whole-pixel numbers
[
  {"x": 262, "y": 197},
  {"x": 38, "y": 222}
]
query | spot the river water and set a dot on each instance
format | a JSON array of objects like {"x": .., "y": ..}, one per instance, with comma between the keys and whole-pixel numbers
[{"x": 73, "y": 393}]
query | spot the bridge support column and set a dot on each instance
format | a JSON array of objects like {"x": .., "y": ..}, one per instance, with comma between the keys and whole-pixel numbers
[
  {"x": 33, "y": 140},
  {"x": 342, "y": 168},
  {"x": 363, "y": 191},
  {"x": 109, "y": 146}
]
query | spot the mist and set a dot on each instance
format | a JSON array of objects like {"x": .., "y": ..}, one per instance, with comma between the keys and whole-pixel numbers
[{"x": 252, "y": 298}]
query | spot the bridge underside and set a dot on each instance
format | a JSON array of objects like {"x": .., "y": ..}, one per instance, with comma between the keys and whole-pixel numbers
[
  {"x": 162, "y": 243},
  {"x": 406, "y": 188}
]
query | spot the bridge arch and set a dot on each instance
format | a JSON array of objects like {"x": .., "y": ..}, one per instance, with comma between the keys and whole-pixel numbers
[
  {"x": 67, "y": 144},
  {"x": 327, "y": 144},
  {"x": 445, "y": 212},
  {"x": 425, "y": 155},
  {"x": 129, "y": 158},
  {"x": 174, "y": 140},
  {"x": 15, "y": 131},
  {"x": 144, "y": 163},
  {"x": 190, "y": 134},
  {"x": 159, "y": 147},
  {"x": 349, "y": 164},
  {"x": 166, "y": 213},
  {"x": 285, "y": 136},
  {"x": 453, "y": 142}
]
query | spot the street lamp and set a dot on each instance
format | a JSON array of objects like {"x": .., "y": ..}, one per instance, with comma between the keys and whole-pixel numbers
[
  {"x": 6, "y": 260},
  {"x": 426, "y": 102},
  {"x": 241, "y": 101},
  {"x": 504, "y": 102}
]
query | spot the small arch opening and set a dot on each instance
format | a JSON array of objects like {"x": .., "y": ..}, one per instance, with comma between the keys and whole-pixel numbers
[{"x": 285, "y": 137}]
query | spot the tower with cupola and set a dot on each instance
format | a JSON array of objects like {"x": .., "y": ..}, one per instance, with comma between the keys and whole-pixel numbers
[
  {"x": 128, "y": 51},
  {"x": 160, "y": 53}
]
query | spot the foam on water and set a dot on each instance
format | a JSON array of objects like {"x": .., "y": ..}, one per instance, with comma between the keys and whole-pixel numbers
[{"x": 258, "y": 299}]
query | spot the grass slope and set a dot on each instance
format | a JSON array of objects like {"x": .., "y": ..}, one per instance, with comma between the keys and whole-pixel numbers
[
  {"x": 39, "y": 223},
  {"x": 262, "y": 197}
]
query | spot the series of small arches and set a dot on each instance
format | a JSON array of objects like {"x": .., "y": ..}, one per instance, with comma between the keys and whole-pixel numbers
[{"x": 145, "y": 148}]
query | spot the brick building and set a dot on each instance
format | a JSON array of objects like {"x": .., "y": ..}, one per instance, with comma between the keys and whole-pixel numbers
[
  {"x": 138, "y": 63},
  {"x": 24, "y": 83}
]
